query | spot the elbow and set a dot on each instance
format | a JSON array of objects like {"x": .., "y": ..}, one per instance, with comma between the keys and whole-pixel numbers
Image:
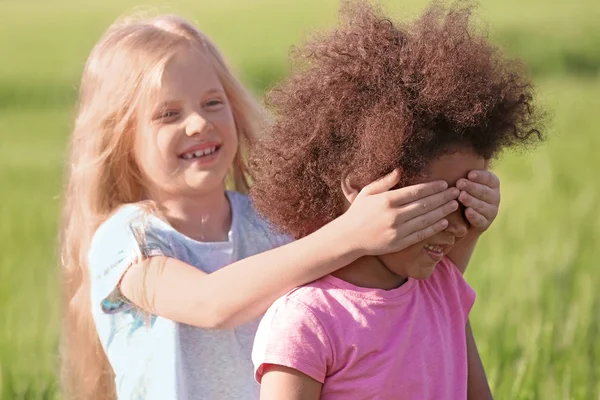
[
  {"x": 217, "y": 323},
  {"x": 215, "y": 312},
  {"x": 213, "y": 317}
]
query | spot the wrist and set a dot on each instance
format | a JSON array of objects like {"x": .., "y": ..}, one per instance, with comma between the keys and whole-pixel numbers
[
  {"x": 343, "y": 232},
  {"x": 474, "y": 234}
]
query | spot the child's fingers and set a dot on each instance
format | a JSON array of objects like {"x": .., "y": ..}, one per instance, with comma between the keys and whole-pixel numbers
[
  {"x": 422, "y": 206},
  {"x": 482, "y": 192},
  {"x": 424, "y": 233},
  {"x": 421, "y": 191},
  {"x": 382, "y": 184},
  {"x": 476, "y": 220},
  {"x": 428, "y": 219},
  {"x": 489, "y": 211},
  {"x": 486, "y": 178}
]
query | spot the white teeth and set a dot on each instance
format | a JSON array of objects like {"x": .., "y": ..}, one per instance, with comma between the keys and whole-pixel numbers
[
  {"x": 437, "y": 249},
  {"x": 199, "y": 153}
]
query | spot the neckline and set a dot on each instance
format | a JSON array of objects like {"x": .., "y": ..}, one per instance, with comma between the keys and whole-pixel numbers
[
  {"x": 372, "y": 293},
  {"x": 231, "y": 234}
]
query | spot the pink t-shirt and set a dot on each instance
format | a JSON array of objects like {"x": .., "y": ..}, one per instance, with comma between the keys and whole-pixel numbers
[{"x": 405, "y": 343}]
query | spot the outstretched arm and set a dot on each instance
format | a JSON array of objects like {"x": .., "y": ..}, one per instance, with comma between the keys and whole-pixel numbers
[{"x": 379, "y": 221}]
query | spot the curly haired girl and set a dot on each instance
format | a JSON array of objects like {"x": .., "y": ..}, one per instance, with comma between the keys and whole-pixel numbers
[{"x": 434, "y": 99}]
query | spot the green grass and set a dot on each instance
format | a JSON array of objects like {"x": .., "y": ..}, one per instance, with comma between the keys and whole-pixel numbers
[{"x": 537, "y": 316}]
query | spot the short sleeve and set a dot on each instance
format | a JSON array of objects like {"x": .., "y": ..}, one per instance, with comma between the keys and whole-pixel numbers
[
  {"x": 290, "y": 335},
  {"x": 125, "y": 238},
  {"x": 466, "y": 294}
]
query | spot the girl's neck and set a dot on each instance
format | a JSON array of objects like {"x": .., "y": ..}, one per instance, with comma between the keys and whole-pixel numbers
[
  {"x": 205, "y": 218},
  {"x": 370, "y": 272}
]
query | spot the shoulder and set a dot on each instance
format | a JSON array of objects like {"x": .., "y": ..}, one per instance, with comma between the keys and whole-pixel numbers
[
  {"x": 295, "y": 309},
  {"x": 314, "y": 302},
  {"x": 448, "y": 279},
  {"x": 314, "y": 295},
  {"x": 291, "y": 334},
  {"x": 116, "y": 230},
  {"x": 120, "y": 220},
  {"x": 294, "y": 316},
  {"x": 310, "y": 302},
  {"x": 129, "y": 235},
  {"x": 130, "y": 217},
  {"x": 129, "y": 228}
]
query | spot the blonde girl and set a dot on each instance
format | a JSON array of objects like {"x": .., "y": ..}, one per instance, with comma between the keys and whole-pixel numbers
[{"x": 166, "y": 272}]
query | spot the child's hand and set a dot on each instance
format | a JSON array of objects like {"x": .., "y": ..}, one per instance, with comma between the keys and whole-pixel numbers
[
  {"x": 480, "y": 193},
  {"x": 391, "y": 220}
]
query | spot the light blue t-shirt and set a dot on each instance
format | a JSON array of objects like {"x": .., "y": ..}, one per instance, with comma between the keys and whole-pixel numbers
[{"x": 156, "y": 358}]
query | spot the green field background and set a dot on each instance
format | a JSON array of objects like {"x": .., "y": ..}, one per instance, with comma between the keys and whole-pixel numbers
[{"x": 536, "y": 272}]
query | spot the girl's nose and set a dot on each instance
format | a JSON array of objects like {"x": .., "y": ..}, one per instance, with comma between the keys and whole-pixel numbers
[
  {"x": 457, "y": 224},
  {"x": 196, "y": 123}
]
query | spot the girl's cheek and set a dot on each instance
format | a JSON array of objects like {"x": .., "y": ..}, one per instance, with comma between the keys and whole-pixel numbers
[
  {"x": 165, "y": 141},
  {"x": 225, "y": 115}
]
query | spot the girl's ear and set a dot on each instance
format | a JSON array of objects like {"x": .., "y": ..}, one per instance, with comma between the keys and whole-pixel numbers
[{"x": 350, "y": 192}]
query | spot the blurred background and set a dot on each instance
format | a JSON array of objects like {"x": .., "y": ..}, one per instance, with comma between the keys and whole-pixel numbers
[{"x": 536, "y": 272}]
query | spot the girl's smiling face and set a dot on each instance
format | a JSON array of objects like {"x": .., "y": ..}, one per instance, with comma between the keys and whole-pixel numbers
[
  {"x": 419, "y": 260},
  {"x": 187, "y": 144}
]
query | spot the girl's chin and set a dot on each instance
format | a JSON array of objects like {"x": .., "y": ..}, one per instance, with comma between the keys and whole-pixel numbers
[{"x": 425, "y": 270}]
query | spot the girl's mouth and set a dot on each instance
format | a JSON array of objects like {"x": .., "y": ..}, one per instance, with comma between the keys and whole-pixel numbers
[
  {"x": 434, "y": 251},
  {"x": 207, "y": 151}
]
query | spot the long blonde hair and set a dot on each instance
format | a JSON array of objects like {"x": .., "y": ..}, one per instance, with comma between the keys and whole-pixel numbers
[{"x": 102, "y": 174}]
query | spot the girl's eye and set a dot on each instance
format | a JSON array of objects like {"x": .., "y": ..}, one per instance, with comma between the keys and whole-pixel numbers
[
  {"x": 213, "y": 103},
  {"x": 168, "y": 114}
]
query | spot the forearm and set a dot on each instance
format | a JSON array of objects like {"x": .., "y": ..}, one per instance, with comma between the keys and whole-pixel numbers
[
  {"x": 477, "y": 384},
  {"x": 462, "y": 252},
  {"x": 244, "y": 290},
  {"x": 379, "y": 221},
  {"x": 241, "y": 291}
]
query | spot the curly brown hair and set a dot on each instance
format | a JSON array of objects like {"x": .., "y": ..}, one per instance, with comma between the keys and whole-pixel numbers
[{"x": 375, "y": 95}]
